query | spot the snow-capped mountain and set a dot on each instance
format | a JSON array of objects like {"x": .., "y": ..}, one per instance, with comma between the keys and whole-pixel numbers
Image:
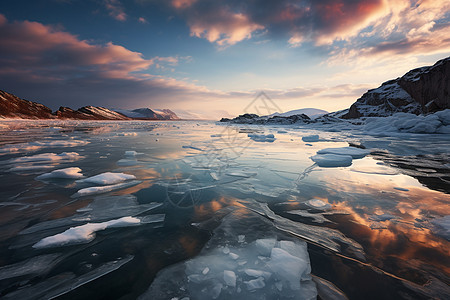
[
  {"x": 422, "y": 90},
  {"x": 149, "y": 114},
  {"x": 310, "y": 112},
  {"x": 89, "y": 113}
]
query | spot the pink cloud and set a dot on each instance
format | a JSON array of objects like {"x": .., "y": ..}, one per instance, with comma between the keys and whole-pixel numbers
[
  {"x": 36, "y": 47},
  {"x": 115, "y": 10}
]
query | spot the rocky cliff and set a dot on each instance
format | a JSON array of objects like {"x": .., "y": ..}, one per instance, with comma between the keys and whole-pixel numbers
[
  {"x": 14, "y": 107},
  {"x": 421, "y": 90}
]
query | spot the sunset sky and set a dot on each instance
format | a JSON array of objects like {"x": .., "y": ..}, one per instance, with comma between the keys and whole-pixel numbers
[{"x": 205, "y": 58}]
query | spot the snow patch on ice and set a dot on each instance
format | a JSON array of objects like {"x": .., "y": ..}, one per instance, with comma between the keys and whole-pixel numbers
[
  {"x": 108, "y": 178},
  {"x": 67, "y": 173},
  {"x": 84, "y": 233},
  {"x": 104, "y": 189}
]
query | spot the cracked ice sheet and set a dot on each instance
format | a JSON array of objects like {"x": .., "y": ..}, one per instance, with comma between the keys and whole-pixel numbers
[
  {"x": 326, "y": 237},
  {"x": 101, "y": 209},
  {"x": 240, "y": 264},
  {"x": 61, "y": 284}
]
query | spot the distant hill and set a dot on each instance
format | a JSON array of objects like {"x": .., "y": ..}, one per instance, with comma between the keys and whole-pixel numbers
[
  {"x": 310, "y": 112},
  {"x": 12, "y": 106},
  {"x": 149, "y": 114}
]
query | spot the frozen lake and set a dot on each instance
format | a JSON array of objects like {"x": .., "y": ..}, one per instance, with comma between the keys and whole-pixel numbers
[{"x": 199, "y": 210}]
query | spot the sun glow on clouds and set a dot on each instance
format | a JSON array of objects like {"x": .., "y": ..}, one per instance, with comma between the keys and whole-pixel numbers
[{"x": 352, "y": 45}]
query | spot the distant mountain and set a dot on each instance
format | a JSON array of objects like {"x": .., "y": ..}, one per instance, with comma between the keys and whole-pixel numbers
[
  {"x": 149, "y": 114},
  {"x": 310, "y": 112},
  {"x": 12, "y": 106},
  {"x": 422, "y": 90}
]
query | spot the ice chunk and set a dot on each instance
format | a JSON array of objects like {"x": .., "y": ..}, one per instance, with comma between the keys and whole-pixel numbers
[
  {"x": 234, "y": 255},
  {"x": 265, "y": 246},
  {"x": 287, "y": 267},
  {"x": 241, "y": 238},
  {"x": 257, "y": 273},
  {"x": 104, "y": 189},
  {"x": 332, "y": 160},
  {"x": 270, "y": 138},
  {"x": 318, "y": 204},
  {"x": 310, "y": 138},
  {"x": 108, "y": 178},
  {"x": 130, "y": 153},
  {"x": 255, "y": 284},
  {"x": 84, "y": 233},
  {"x": 67, "y": 173},
  {"x": 352, "y": 151},
  {"x": 229, "y": 277}
]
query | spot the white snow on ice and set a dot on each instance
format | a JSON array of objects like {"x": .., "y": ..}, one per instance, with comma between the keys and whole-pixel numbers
[
  {"x": 67, "y": 173},
  {"x": 104, "y": 189},
  {"x": 108, "y": 178},
  {"x": 84, "y": 233}
]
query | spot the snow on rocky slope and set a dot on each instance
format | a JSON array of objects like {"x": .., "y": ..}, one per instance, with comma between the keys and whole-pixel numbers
[{"x": 422, "y": 90}]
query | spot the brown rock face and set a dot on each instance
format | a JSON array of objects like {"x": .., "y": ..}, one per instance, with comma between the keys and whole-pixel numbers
[
  {"x": 430, "y": 86},
  {"x": 421, "y": 90},
  {"x": 14, "y": 107}
]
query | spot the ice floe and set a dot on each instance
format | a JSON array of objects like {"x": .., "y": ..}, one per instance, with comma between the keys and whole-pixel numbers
[
  {"x": 269, "y": 138},
  {"x": 104, "y": 189},
  {"x": 84, "y": 233},
  {"x": 67, "y": 173},
  {"x": 311, "y": 138},
  {"x": 352, "y": 151},
  {"x": 332, "y": 160},
  {"x": 107, "y": 178}
]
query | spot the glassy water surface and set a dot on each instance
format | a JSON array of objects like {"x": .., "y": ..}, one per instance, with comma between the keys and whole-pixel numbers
[{"x": 215, "y": 211}]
